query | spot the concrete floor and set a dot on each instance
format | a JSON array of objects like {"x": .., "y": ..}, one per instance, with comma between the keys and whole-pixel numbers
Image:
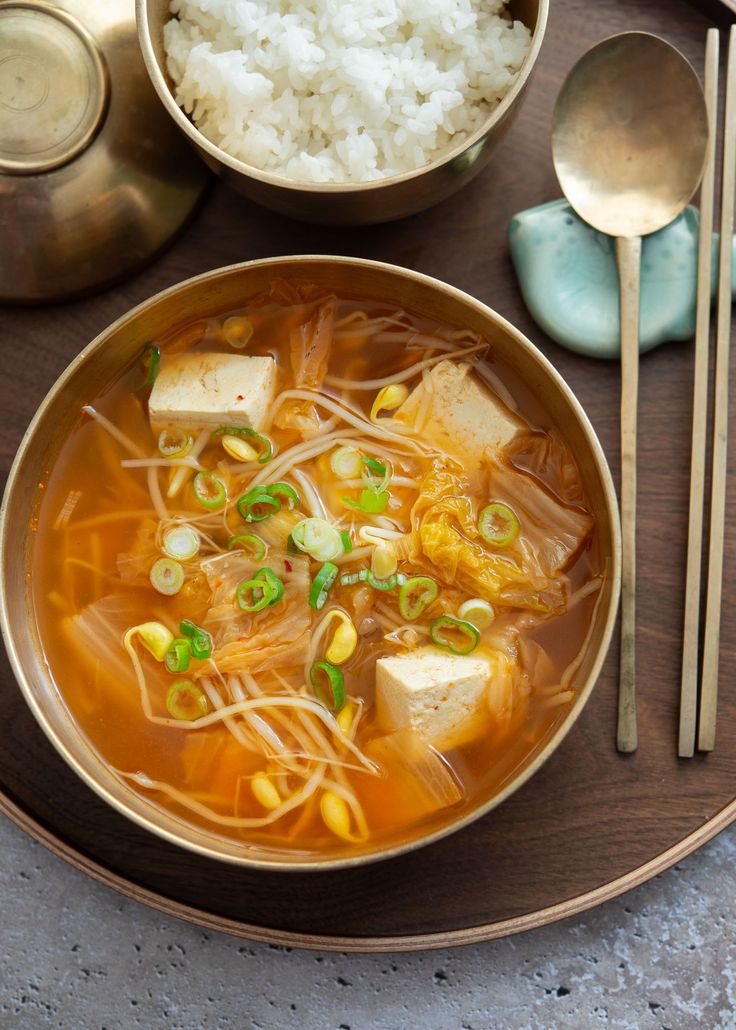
[{"x": 75, "y": 955}]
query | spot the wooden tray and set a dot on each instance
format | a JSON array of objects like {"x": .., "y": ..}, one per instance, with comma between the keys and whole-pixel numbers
[{"x": 592, "y": 823}]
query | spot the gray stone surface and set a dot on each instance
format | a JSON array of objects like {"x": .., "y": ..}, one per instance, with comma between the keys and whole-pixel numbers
[{"x": 74, "y": 954}]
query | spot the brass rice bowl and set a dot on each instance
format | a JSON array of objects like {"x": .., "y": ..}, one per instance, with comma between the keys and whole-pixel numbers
[
  {"x": 119, "y": 345},
  {"x": 366, "y": 203}
]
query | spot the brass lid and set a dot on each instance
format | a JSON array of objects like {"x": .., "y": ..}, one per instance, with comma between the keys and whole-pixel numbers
[
  {"x": 94, "y": 176},
  {"x": 53, "y": 88}
]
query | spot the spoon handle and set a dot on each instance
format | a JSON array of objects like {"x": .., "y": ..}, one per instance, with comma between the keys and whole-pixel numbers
[{"x": 628, "y": 258}]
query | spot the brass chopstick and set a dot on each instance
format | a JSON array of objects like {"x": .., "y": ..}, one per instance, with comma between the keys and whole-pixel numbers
[
  {"x": 711, "y": 640},
  {"x": 689, "y": 681}
]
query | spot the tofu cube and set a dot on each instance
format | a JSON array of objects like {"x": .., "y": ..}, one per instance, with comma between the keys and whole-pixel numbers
[
  {"x": 462, "y": 417},
  {"x": 441, "y": 696},
  {"x": 198, "y": 390}
]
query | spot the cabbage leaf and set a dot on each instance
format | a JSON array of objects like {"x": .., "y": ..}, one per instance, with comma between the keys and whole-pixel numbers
[
  {"x": 527, "y": 574},
  {"x": 245, "y": 641}
]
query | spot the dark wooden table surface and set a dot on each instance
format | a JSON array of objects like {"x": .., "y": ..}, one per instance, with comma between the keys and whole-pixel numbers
[{"x": 592, "y": 822}]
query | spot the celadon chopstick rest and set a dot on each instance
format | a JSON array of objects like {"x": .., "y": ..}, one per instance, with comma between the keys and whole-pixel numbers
[{"x": 568, "y": 278}]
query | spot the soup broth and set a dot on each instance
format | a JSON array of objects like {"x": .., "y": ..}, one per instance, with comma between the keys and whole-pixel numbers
[{"x": 309, "y": 579}]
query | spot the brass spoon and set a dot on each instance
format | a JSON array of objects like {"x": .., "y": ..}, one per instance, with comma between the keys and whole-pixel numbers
[{"x": 629, "y": 137}]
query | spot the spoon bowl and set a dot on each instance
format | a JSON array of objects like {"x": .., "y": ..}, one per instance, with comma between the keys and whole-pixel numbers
[{"x": 630, "y": 133}]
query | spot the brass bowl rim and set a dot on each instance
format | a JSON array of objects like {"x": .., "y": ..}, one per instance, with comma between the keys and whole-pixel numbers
[
  {"x": 67, "y": 749},
  {"x": 307, "y": 186}
]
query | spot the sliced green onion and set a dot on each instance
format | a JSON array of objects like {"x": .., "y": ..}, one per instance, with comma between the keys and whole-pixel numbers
[
  {"x": 349, "y": 579},
  {"x": 179, "y": 655},
  {"x": 321, "y": 585},
  {"x": 498, "y": 524},
  {"x": 253, "y": 595},
  {"x": 265, "y": 445},
  {"x": 372, "y": 501},
  {"x": 328, "y": 684},
  {"x": 167, "y": 576},
  {"x": 374, "y": 497},
  {"x": 270, "y": 577},
  {"x": 291, "y": 547},
  {"x": 346, "y": 462},
  {"x": 257, "y": 505},
  {"x": 181, "y": 542},
  {"x": 150, "y": 361},
  {"x": 477, "y": 611},
  {"x": 284, "y": 490},
  {"x": 247, "y": 541},
  {"x": 318, "y": 538},
  {"x": 396, "y": 579},
  {"x": 415, "y": 595},
  {"x": 174, "y": 443},
  {"x": 201, "y": 645},
  {"x": 347, "y": 543},
  {"x": 456, "y": 635},
  {"x": 375, "y": 466},
  {"x": 186, "y": 701},
  {"x": 371, "y": 469},
  {"x": 200, "y": 641},
  {"x": 209, "y": 490}
]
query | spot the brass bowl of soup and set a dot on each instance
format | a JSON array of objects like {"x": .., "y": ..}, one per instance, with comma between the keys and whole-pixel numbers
[
  {"x": 308, "y": 561},
  {"x": 385, "y": 121}
]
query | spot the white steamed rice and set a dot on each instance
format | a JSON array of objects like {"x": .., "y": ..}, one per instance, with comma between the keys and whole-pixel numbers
[{"x": 341, "y": 91}]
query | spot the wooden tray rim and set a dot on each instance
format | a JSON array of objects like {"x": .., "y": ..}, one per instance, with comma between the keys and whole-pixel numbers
[
  {"x": 389, "y": 943},
  {"x": 721, "y": 13}
]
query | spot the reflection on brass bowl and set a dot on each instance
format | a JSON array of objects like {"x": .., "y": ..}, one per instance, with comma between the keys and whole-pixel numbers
[
  {"x": 209, "y": 295},
  {"x": 382, "y": 200}
]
